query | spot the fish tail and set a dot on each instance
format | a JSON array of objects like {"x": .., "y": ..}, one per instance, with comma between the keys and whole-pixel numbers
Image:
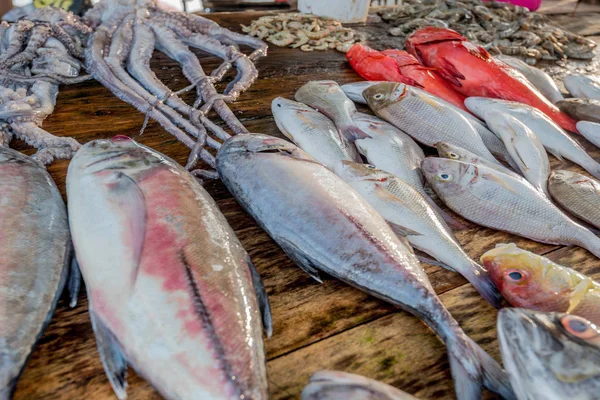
[
  {"x": 588, "y": 241},
  {"x": 592, "y": 167},
  {"x": 482, "y": 282},
  {"x": 352, "y": 132}
]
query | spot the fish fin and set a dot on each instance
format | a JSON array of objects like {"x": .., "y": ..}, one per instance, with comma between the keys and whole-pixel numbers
[
  {"x": 579, "y": 293},
  {"x": 400, "y": 230},
  {"x": 450, "y": 73},
  {"x": 74, "y": 281},
  {"x": 263, "y": 299},
  {"x": 452, "y": 221},
  {"x": 515, "y": 143},
  {"x": 556, "y": 154},
  {"x": 298, "y": 257},
  {"x": 498, "y": 181},
  {"x": 427, "y": 259},
  {"x": 111, "y": 355},
  {"x": 352, "y": 133}
]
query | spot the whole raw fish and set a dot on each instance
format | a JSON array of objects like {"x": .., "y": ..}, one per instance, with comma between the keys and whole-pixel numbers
[
  {"x": 500, "y": 201},
  {"x": 171, "y": 290},
  {"x": 422, "y": 117},
  {"x": 590, "y": 131},
  {"x": 312, "y": 131},
  {"x": 446, "y": 150},
  {"x": 355, "y": 90},
  {"x": 556, "y": 141},
  {"x": 474, "y": 72},
  {"x": 538, "y": 78},
  {"x": 323, "y": 224},
  {"x": 373, "y": 65},
  {"x": 525, "y": 148},
  {"x": 550, "y": 356},
  {"x": 409, "y": 214},
  {"x": 336, "y": 385},
  {"x": 581, "y": 109},
  {"x": 578, "y": 194},
  {"x": 36, "y": 251},
  {"x": 328, "y": 98},
  {"x": 534, "y": 282},
  {"x": 583, "y": 86}
]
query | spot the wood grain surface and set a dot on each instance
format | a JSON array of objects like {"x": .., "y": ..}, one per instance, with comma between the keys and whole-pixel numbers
[{"x": 316, "y": 326}]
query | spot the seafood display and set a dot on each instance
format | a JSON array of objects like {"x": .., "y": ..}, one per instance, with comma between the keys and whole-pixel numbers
[
  {"x": 446, "y": 150},
  {"x": 538, "y": 78},
  {"x": 577, "y": 194},
  {"x": 581, "y": 109},
  {"x": 499, "y": 27},
  {"x": 550, "y": 356},
  {"x": 534, "y": 282},
  {"x": 322, "y": 224},
  {"x": 305, "y": 31},
  {"x": 36, "y": 254},
  {"x": 171, "y": 290}
]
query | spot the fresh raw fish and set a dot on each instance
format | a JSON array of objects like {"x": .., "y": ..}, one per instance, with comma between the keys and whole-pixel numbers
[
  {"x": 422, "y": 117},
  {"x": 373, "y": 65},
  {"x": 534, "y": 282},
  {"x": 328, "y": 98},
  {"x": 556, "y": 141},
  {"x": 584, "y": 86},
  {"x": 590, "y": 131},
  {"x": 336, "y": 385},
  {"x": 323, "y": 224},
  {"x": 446, "y": 150},
  {"x": 578, "y": 194},
  {"x": 355, "y": 90},
  {"x": 550, "y": 356},
  {"x": 474, "y": 72},
  {"x": 409, "y": 214},
  {"x": 538, "y": 78},
  {"x": 36, "y": 252},
  {"x": 581, "y": 109},
  {"x": 312, "y": 131},
  {"x": 500, "y": 201},
  {"x": 171, "y": 290},
  {"x": 524, "y": 147}
]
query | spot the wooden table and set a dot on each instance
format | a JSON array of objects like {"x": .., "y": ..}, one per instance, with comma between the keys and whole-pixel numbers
[{"x": 316, "y": 326}]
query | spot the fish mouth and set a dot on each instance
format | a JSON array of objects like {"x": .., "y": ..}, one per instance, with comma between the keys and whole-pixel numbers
[{"x": 99, "y": 153}]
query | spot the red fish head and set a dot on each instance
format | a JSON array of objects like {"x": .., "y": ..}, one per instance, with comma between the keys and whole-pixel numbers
[
  {"x": 358, "y": 52},
  {"x": 429, "y": 35},
  {"x": 401, "y": 57}
]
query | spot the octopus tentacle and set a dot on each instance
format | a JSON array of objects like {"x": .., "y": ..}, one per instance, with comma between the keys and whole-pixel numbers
[
  {"x": 5, "y": 135},
  {"x": 18, "y": 36},
  {"x": 36, "y": 137},
  {"x": 38, "y": 37},
  {"x": 67, "y": 40}
]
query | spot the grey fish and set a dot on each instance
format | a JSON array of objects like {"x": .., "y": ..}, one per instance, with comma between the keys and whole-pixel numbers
[
  {"x": 327, "y": 97},
  {"x": 499, "y": 201},
  {"x": 590, "y": 131},
  {"x": 583, "y": 86},
  {"x": 581, "y": 109},
  {"x": 336, "y": 385},
  {"x": 410, "y": 214},
  {"x": 312, "y": 132},
  {"x": 355, "y": 90},
  {"x": 36, "y": 251},
  {"x": 578, "y": 194},
  {"x": 425, "y": 119},
  {"x": 538, "y": 78},
  {"x": 323, "y": 224},
  {"x": 446, "y": 150},
  {"x": 550, "y": 356}
]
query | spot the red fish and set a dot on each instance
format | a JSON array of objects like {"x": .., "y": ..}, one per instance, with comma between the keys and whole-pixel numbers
[
  {"x": 375, "y": 66},
  {"x": 474, "y": 72},
  {"x": 426, "y": 77}
]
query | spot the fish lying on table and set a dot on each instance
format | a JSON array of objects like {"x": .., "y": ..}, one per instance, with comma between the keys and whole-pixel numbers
[
  {"x": 355, "y": 90},
  {"x": 322, "y": 224},
  {"x": 375, "y": 66},
  {"x": 36, "y": 252},
  {"x": 581, "y": 109},
  {"x": 500, "y": 201},
  {"x": 446, "y": 150},
  {"x": 578, "y": 194},
  {"x": 171, "y": 290},
  {"x": 336, "y": 385},
  {"x": 583, "y": 86},
  {"x": 530, "y": 281},
  {"x": 590, "y": 131},
  {"x": 550, "y": 356}
]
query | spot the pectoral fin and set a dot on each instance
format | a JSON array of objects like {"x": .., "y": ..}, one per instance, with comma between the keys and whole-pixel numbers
[
  {"x": 263, "y": 300},
  {"x": 400, "y": 230},
  {"x": 498, "y": 181},
  {"x": 450, "y": 73},
  {"x": 516, "y": 144},
  {"x": 579, "y": 293},
  {"x": 299, "y": 258},
  {"x": 74, "y": 281}
]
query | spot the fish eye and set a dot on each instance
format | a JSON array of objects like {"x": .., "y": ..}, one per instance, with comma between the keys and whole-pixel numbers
[
  {"x": 378, "y": 96},
  {"x": 579, "y": 327},
  {"x": 453, "y": 155},
  {"x": 369, "y": 166},
  {"x": 445, "y": 177},
  {"x": 514, "y": 275}
]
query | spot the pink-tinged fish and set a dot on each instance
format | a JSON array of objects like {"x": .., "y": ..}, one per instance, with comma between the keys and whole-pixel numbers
[
  {"x": 472, "y": 71},
  {"x": 35, "y": 249},
  {"x": 375, "y": 66},
  {"x": 171, "y": 290}
]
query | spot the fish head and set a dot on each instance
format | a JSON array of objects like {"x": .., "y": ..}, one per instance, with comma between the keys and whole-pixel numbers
[
  {"x": 452, "y": 152},
  {"x": 401, "y": 57},
  {"x": 569, "y": 177},
  {"x": 431, "y": 35},
  {"x": 10, "y": 156},
  {"x": 480, "y": 105},
  {"x": 282, "y": 104},
  {"x": 550, "y": 355},
  {"x": 254, "y": 144},
  {"x": 448, "y": 176},
  {"x": 383, "y": 94},
  {"x": 356, "y": 172}
]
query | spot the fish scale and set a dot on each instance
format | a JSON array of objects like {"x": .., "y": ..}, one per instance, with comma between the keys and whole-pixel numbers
[{"x": 577, "y": 194}]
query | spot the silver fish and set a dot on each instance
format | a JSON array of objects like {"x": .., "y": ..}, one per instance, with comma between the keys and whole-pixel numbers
[
  {"x": 550, "y": 356},
  {"x": 410, "y": 215},
  {"x": 578, "y": 194},
  {"x": 425, "y": 119},
  {"x": 36, "y": 252},
  {"x": 590, "y": 131},
  {"x": 171, "y": 290},
  {"x": 312, "y": 132},
  {"x": 583, "y": 86},
  {"x": 500, "y": 201},
  {"x": 556, "y": 141},
  {"x": 446, "y": 150},
  {"x": 336, "y": 385},
  {"x": 355, "y": 90},
  {"x": 581, "y": 109},
  {"x": 538, "y": 78},
  {"x": 323, "y": 224},
  {"x": 327, "y": 97},
  {"x": 525, "y": 148}
]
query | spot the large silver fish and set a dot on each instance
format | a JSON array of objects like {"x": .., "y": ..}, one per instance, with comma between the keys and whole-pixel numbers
[
  {"x": 538, "y": 78},
  {"x": 171, "y": 289},
  {"x": 499, "y": 201},
  {"x": 328, "y": 98},
  {"x": 425, "y": 119},
  {"x": 336, "y": 385},
  {"x": 312, "y": 132},
  {"x": 409, "y": 214},
  {"x": 324, "y": 225},
  {"x": 581, "y": 109},
  {"x": 583, "y": 86},
  {"x": 577, "y": 194},
  {"x": 36, "y": 250},
  {"x": 556, "y": 141},
  {"x": 550, "y": 356},
  {"x": 590, "y": 131}
]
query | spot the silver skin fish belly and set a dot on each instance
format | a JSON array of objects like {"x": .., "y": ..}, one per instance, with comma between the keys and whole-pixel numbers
[
  {"x": 171, "y": 290},
  {"x": 584, "y": 86}
]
